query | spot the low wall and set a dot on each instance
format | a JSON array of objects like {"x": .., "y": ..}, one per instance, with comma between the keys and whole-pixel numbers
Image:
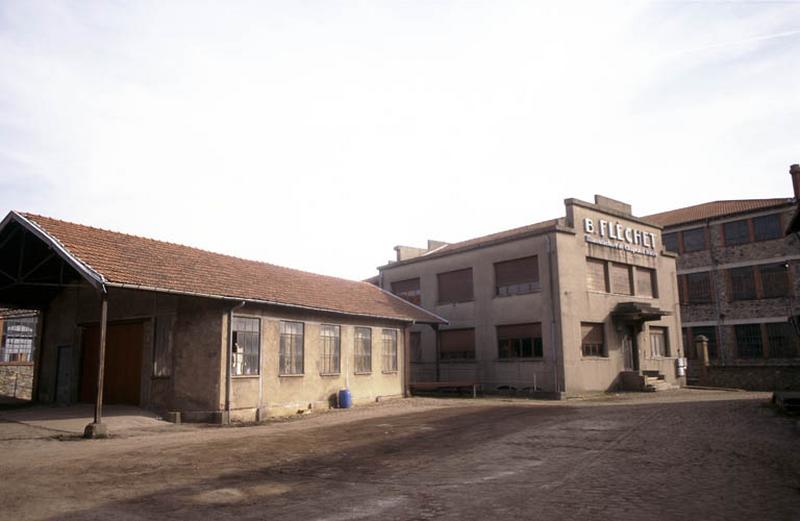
[
  {"x": 16, "y": 380},
  {"x": 752, "y": 378}
]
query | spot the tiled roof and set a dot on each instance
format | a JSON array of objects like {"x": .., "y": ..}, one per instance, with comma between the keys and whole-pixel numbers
[
  {"x": 714, "y": 209},
  {"x": 123, "y": 259},
  {"x": 484, "y": 240}
]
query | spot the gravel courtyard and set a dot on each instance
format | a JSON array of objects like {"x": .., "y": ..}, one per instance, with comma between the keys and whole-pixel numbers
[{"x": 687, "y": 455}]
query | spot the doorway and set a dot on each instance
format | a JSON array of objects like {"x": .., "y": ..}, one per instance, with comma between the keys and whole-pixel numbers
[
  {"x": 630, "y": 351},
  {"x": 123, "y": 364}
]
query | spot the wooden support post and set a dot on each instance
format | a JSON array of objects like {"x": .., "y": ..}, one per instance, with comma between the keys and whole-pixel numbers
[{"x": 97, "y": 429}]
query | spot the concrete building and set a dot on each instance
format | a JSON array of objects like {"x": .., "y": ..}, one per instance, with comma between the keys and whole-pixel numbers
[
  {"x": 585, "y": 302},
  {"x": 738, "y": 279},
  {"x": 214, "y": 337}
]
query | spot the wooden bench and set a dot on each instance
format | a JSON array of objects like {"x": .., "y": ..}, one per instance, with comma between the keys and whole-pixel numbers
[{"x": 439, "y": 386}]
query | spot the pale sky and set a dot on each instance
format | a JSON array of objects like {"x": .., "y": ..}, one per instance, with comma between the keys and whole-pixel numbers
[{"x": 319, "y": 134}]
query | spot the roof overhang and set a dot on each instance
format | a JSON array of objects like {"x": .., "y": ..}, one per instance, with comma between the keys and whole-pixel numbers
[{"x": 636, "y": 313}]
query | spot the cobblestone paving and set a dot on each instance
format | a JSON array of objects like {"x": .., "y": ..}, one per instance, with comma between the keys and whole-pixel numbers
[{"x": 729, "y": 458}]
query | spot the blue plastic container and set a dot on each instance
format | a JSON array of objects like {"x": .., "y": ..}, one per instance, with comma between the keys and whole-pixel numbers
[{"x": 345, "y": 399}]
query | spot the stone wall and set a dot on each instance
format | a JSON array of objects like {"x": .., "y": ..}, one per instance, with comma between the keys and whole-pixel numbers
[
  {"x": 16, "y": 381},
  {"x": 752, "y": 378}
]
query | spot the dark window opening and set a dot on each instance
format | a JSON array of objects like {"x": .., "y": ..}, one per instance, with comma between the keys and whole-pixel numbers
[{"x": 520, "y": 341}]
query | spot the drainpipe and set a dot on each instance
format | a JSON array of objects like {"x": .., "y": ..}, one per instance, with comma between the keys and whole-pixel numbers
[
  {"x": 228, "y": 370},
  {"x": 550, "y": 255}
]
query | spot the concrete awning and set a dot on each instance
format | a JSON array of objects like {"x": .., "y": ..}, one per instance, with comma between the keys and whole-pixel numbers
[{"x": 637, "y": 312}]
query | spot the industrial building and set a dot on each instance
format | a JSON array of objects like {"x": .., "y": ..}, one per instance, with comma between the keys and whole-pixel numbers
[
  {"x": 738, "y": 274},
  {"x": 584, "y": 302},
  {"x": 182, "y": 330}
]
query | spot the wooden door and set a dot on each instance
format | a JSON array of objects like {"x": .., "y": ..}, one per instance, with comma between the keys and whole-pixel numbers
[{"x": 123, "y": 367}]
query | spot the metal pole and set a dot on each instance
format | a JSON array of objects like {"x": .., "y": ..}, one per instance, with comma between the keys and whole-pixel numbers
[
  {"x": 98, "y": 406},
  {"x": 438, "y": 347}
]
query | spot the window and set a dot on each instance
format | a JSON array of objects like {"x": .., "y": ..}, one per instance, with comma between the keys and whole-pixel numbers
[
  {"x": 246, "y": 346},
  {"x": 17, "y": 341},
  {"x": 659, "y": 342},
  {"x": 749, "y": 341},
  {"x": 646, "y": 282},
  {"x": 330, "y": 348},
  {"x": 162, "y": 346},
  {"x": 620, "y": 275},
  {"x": 593, "y": 341},
  {"x": 694, "y": 240},
  {"x": 416, "y": 347},
  {"x": 743, "y": 283},
  {"x": 389, "y": 350},
  {"x": 596, "y": 279},
  {"x": 408, "y": 289},
  {"x": 782, "y": 340},
  {"x": 291, "y": 350},
  {"x": 455, "y": 286},
  {"x": 698, "y": 288},
  {"x": 710, "y": 333},
  {"x": 736, "y": 232},
  {"x": 457, "y": 344},
  {"x": 774, "y": 280},
  {"x": 520, "y": 341},
  {"x": 767, "y": 227},
  {"x": 516, "y": 276},
  {"x": 363, "y": 350},
  {"x": 670, "y": 242}
]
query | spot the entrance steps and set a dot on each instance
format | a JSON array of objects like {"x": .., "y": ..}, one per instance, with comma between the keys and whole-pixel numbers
[{"x": 645, "y": 381}]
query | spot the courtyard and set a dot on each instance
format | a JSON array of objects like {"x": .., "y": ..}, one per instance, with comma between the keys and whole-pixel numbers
[{"x": 687, "y": 454}]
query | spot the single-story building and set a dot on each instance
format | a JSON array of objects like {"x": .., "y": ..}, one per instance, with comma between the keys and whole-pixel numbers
[{"x": 214, "y": 337}]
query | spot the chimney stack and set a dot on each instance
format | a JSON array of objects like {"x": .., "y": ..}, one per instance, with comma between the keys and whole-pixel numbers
[{"x": 794, "y": 171}]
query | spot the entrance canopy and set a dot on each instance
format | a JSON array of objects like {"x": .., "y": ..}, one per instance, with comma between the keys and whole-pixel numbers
[{"x": 636, "y": 313}]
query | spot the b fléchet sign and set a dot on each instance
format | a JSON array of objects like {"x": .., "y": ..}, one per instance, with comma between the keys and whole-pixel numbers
[{"x": 615, "y": 235}]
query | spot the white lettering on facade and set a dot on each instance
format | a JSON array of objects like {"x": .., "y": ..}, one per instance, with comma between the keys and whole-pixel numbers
[
  {"x": 625, "y": 238},
  {"x": 588, "y": 225}
]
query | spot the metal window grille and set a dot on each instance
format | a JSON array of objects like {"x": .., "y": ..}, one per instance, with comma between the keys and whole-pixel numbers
[
  {"x": 698, "y": 288},
  {"x": 774, "y": 280},
  {"x": 736, "y": 232},
  {"x": 592, "y": 339},
  {"x": 17, "y": 341},
  {"x": 659, "y": 345},
  {"x": 743, "y": 284},
  {"x": 694, "y": 240},
  {"x": 363, "y": 350},
  {"x": 782, "y": 340},
  {"x": 389, "y": 350},
  {"x": 767, "y": 227},
  {"x": 291, "y": 348},
  {"x": 331, "y": 348},
  {"x": 246, "y": 346},
  {"x": 162, "y": 346},
  {"x": 748, "y": 341},
  {"x": 670, "y": 241}
]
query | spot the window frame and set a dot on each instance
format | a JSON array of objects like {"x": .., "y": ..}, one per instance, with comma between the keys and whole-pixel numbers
[
  {"x": 18, "y": 343},
  {"x": 701, "y": 230},
  {"x": 282, "y": 355},
  {"x": 390, "y": 342},
  {"x": 534, "y": 347},
  {"x": 458, "y": 300},
  {"x": 763, "y": 218},
  {"x": 663, "y": 332},
  {"x": 361, "y": 356},
  {"x": 740, "y": 295},
  {"x": 592, "y": 352},
  {"x": 729, "y": 241},
  {"x": 326, "y": 367},
  {"x": 445, "y": 332},
  {"x": 414, "y": 295},
  {"x": 235, "y": 360},
  {"x": 530, "y": 283}
]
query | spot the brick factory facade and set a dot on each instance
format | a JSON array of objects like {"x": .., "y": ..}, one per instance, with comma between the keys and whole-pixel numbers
[
  {"x": 585, "y": 302},
  {"x": 738, "y": 277}
]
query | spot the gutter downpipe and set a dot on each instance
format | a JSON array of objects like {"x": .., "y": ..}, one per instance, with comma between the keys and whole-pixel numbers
[
  {"x": 550, "y": 252},
  {"x": 229, "y": 364}
]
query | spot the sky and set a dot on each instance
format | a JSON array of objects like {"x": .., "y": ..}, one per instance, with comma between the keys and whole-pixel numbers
[{"x": 320, "y": 134}]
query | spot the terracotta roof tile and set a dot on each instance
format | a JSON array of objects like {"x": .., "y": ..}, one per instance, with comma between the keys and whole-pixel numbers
[
  {"x": 712, "y": 210},
  {"x": 148, "y": 263}
]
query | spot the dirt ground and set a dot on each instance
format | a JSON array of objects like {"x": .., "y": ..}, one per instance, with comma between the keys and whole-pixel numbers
[{"x": 688, "y": 455}]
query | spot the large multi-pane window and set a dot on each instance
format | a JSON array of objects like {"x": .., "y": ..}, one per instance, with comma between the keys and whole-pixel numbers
[
  {"x": 17, "y": 340},
  {"x": 457, "y": 344},
  {"x": 749, "y": 343},
  {"x": 518, "y": 276},
  {"x": 614, "y": 277},
  {"x": 330, "y": 348},
  {"x": 767, "y": 227},
  {"x": 408, "y": 289},
  {"x": 520, "y": 341},
  {"x": 670, "y": 241},
  {"x": 782, "y": 340},
  {"x": 455, "y": 286},
  {"x": 593, "y": 339},
  {"x": 246, "y": 346},
  {"x": 291, "y": 348},
  {"x": 363, "y": 350},
  {"x": 694, "y": 240},
  {"x": 698, "y": 288},
  {"x": 743, "y": 283},
  {"x": 162, "y": 346},
  {"x": 389, "y": 351},
  {"x": 774, "y": 280},
  {"x": 736, "y": 232},
  {"x": 659, "y": 342}
]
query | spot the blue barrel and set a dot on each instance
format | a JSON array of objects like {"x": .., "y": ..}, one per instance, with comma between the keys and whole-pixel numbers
[{"x": 345, "y": 399}]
